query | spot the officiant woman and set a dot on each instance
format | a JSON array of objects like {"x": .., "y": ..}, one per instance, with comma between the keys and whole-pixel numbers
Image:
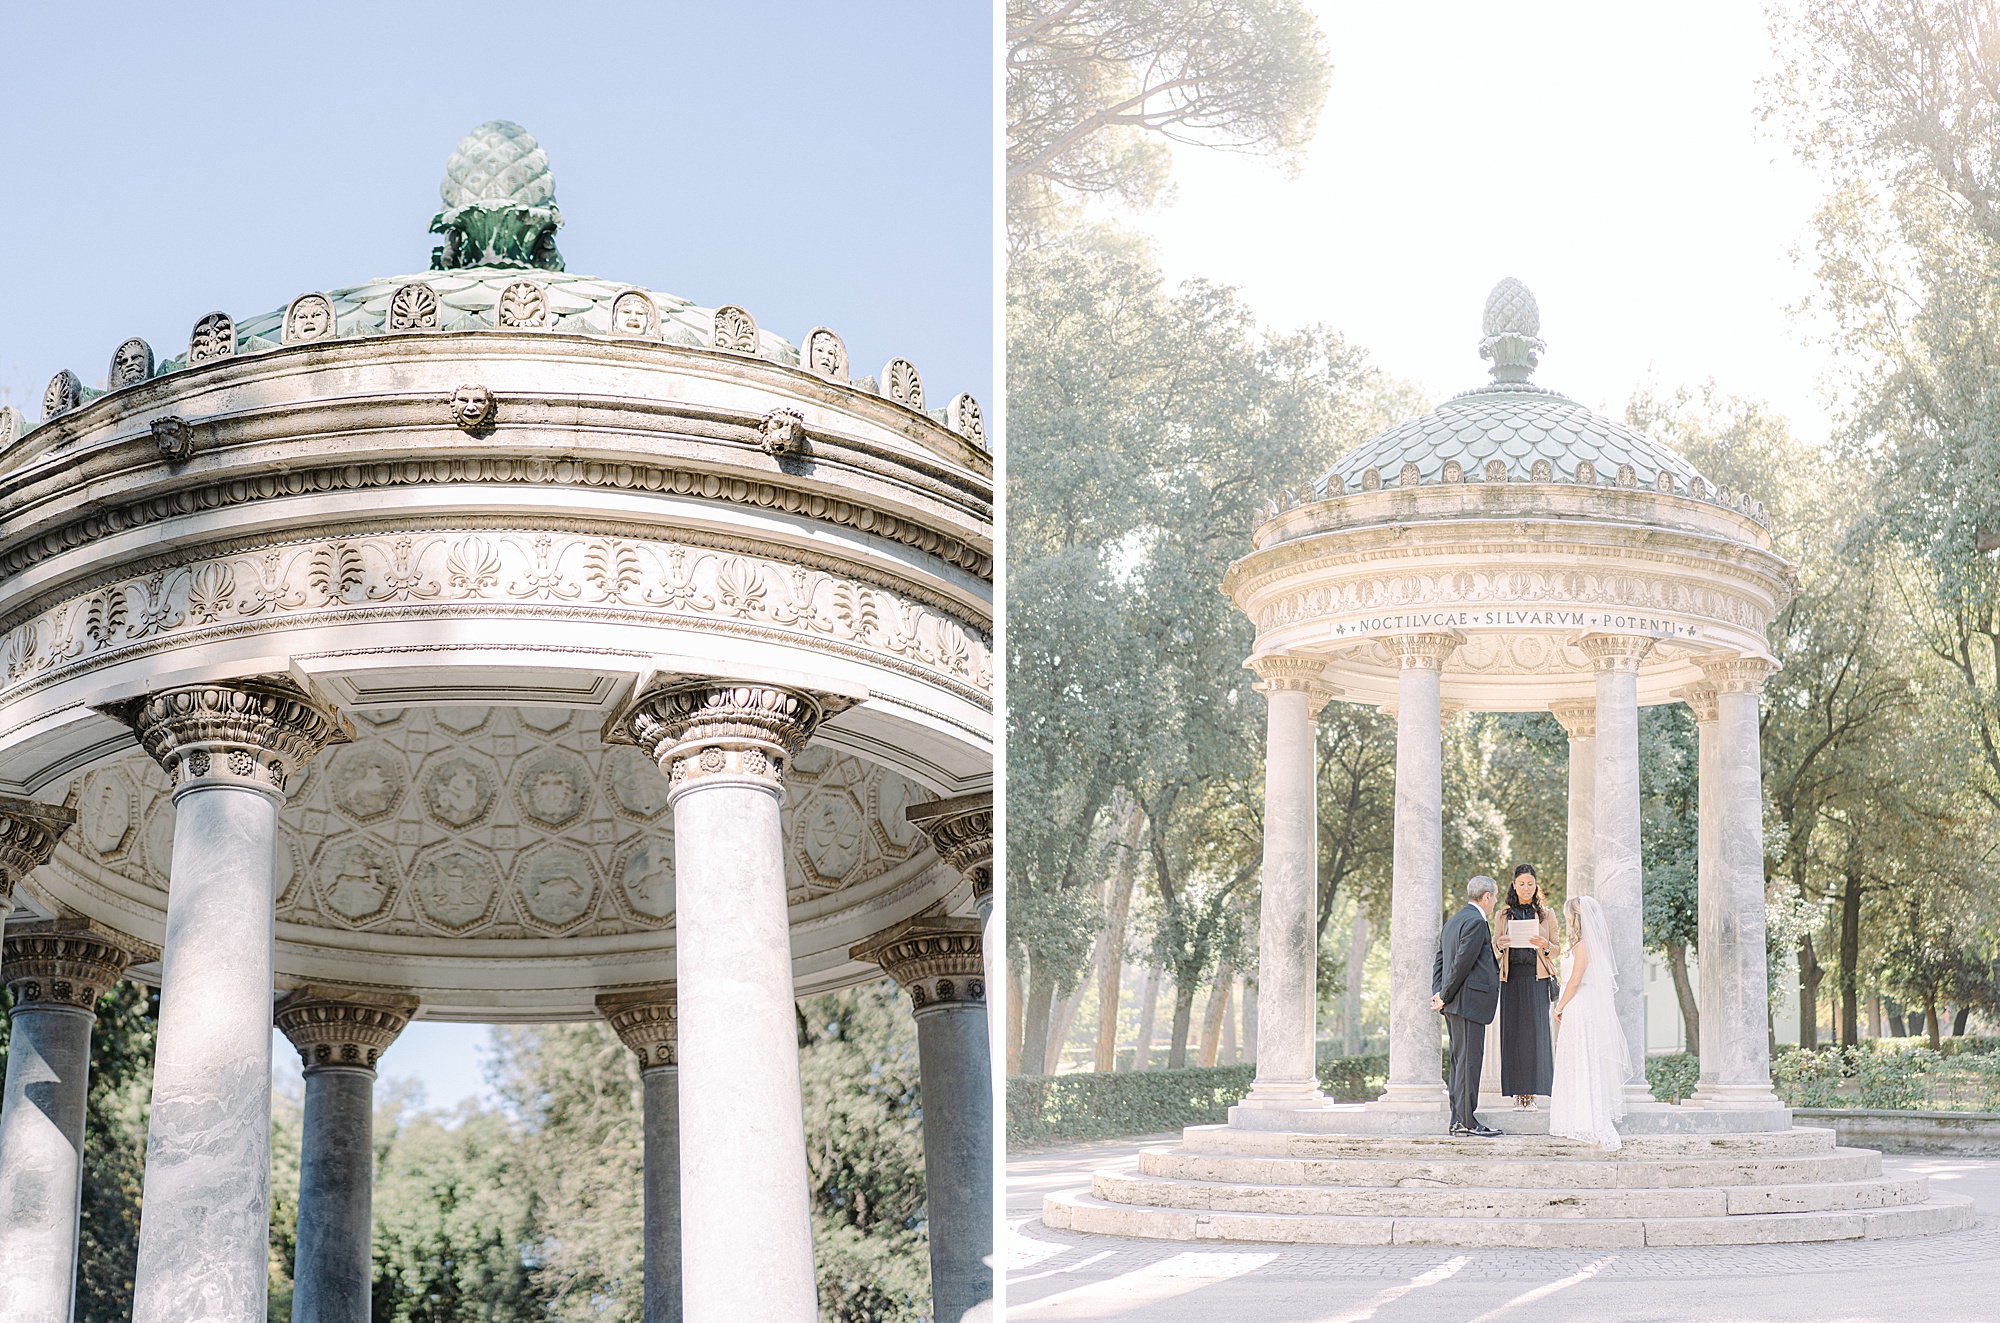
[{"x": 1527, "y": 1057}]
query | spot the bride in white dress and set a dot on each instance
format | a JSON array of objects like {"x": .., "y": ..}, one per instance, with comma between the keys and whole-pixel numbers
[{"x": 1589, "y": 1092}]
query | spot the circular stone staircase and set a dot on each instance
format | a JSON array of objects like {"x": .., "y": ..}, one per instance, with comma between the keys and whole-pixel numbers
[{"x": 1520, "y": 1190}]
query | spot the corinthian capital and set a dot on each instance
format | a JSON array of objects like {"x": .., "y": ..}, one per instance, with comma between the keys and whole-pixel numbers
[
  {"x": 1277, "y": 673},
  {"x": 961, "y": 830},
  {"x": 61, "y": 962},
  {"x": 647, "y": 1021},
  {"x": 1736, "y": 675},
  {"x": 249, "y": 733},
  {"x": 335, "y": 1027},
  {"x": 28, "y": 836},
  {"x": 936, "y": 958},
  {"x": 1578, "y": 719},
  {"x": 1700, "y": 698},
  {"x": 1615, "y": 652},
  {"x": 1423, "y": 652},
  {"x": 705, "y": 730}
]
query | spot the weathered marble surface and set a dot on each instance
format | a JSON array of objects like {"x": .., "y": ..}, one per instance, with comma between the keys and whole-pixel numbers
[
  {"x": 41, "y": 1147},
  {"x": 334, "y": 1270},
  {"x": 1416, "y": 1077},
  {"x": 663, "y": 1194},
  {"x": 741, "y": 1120},
  {"x": 1615, "y": 862},
  {"x": 1286, "y": 942},
  {"x": 1739, "y": 1075},
  {"x": 953, "y": 1054},
  {"x": 203, "y": 1251}
]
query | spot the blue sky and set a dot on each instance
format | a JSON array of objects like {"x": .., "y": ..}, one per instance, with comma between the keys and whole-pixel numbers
[{"x": 817, "y": 164}]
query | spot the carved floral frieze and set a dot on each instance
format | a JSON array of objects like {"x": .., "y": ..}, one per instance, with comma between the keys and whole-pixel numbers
[{"x": 541, "y": 573}]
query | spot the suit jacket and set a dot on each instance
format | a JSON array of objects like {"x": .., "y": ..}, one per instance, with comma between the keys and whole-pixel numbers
[{"x": 1465, "y": 973}]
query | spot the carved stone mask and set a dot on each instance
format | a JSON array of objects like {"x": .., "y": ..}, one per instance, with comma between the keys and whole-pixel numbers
[
  {"x": 630, "y": 315},
  {"x": 471, "y": 406},
  {"x": 309, "y": 319}
]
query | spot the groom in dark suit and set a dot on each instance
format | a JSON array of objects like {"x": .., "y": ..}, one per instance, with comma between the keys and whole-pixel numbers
[{"x": 1465, "y": 986}]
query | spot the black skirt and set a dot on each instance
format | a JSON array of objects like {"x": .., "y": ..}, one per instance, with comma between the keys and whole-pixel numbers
[{"x": 1527, "y": 1055}]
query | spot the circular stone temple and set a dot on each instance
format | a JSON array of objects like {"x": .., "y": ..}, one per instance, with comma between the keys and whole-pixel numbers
[
  {"x": 1511, "y": 551},
  {"x": 494, "y": 643}
]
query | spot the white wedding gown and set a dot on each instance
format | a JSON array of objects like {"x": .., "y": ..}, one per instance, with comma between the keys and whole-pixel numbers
[{"x": 1588, "y": 1096}]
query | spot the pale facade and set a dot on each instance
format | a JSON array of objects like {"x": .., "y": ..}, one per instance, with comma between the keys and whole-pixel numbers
[{"x": 498, "y": 644}]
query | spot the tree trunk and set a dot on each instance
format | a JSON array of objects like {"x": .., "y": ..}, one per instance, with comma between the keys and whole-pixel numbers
[
  {"x": 1111, "y": 945},
  {"x": 1958, "y": 1021},
  {"x": 1357, "y": 965},
  {"x": 1850, "y": 954},
  {"x": 1183, "y": 1018},
  {"x": 1228, "y": 1055},
  {"x": 1684, "y": 991},
  {"x": 1874, "y": 1017},
  {"x": 1895, "y": 1012},
  {"x": 1931, "y": 1022},
  {"x": 1147, "y": 1009},
  {"x": 1217, "y": 1011},
  {"x": 1250, "y": 1020},
  {"x": 1035, "y": 1026},
  {"x": 1015, "y": 1019},
  {"x": 1810, "y": 974},
  {"x": 1916, "y": 1023},
  {"x": 1065, "y": 1020}
]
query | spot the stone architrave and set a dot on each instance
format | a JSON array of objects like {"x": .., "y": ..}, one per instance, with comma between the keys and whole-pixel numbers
[
  {"x": 1616, "y": 878},
  {"x": 938, "y": 959},
  {"x": 646, "y": 1021},
  {"x": 1416, "y": 1075},
  {"x": 56, "y": 971},
  {"x": 961, "y": 831},
  {"x": 339, "y": 1033},
  {"x": 228, "y": 750},
  {"x": 725, "y": 749},
  {"x": 1732, "y": 849},
  {"x": 1287, "y": 944},
  {"x": 1579, "y": 722}
]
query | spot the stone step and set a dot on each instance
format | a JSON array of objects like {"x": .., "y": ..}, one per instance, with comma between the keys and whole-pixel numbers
[
  {"x": 1833, "y": 1164},
  {"x": 1222, "y": 1140},
  {"x": 1512, "y": 1204},
  {"x": 1080, "y": 1211}
]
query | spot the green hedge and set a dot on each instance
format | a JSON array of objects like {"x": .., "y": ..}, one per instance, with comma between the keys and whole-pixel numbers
[
  {"x": 1047, "y": 1109},
  {"x": 1673, "y": 1075}
]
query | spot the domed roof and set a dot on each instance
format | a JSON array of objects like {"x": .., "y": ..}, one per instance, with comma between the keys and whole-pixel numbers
[
  {"x": 498, "y": 267},
  {"x": 1535, "y": 434}
]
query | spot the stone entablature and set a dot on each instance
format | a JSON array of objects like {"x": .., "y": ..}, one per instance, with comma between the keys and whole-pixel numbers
[
  {"x": 342, "y": 1027},
  {"x": 646, "y": 1021},
  {"x": 62, "y": 962}
]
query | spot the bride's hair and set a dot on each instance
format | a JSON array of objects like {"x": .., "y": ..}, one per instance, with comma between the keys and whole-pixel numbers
[{"x": 1573, "y": 919}]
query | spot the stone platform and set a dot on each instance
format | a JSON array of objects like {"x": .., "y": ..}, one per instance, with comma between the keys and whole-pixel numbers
[
  {"x": 1375, "y": 1118},
  {"x": 1524, "y": 1190}
]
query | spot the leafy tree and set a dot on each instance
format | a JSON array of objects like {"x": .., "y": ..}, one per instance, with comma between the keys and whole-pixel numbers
[{"x": 1095, "y": 88}]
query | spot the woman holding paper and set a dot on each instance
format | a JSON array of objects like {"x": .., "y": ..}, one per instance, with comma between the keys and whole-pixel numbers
[{"x": 1524, "y": 940}]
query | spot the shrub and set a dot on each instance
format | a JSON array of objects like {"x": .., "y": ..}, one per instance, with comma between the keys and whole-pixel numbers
[
  {"x": 1673, "y": 1076},
  {"x": 1046, "y": 1109},
  {"x": 1810, "y": 1078},
  {"x": 1895, "y": 1079}
]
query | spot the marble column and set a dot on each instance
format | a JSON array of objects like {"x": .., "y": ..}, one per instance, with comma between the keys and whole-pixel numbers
[
  {"x": 961, "y": 830},
  {"x": 1616, "y": 878},
  {"x": 938, "y": 960},
  {"x": 1700, "y": 699},
  {"x": 339, "y": 1034},
  {"x": 1287, "y": 939},
  {"x": 746, "y": 1236},
  {"x": 1579, "y": 721},
  {"x": 645, "y": 1021},
  {"x": 56, "y": 970},
  {"x": 1416, "y": 896},
  {"x": 1735, "y": 1014},
  {"x": 203, "y": 1237}
]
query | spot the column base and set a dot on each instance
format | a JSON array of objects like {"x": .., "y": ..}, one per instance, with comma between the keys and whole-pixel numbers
[
  {"x": 1640, "y": 1095},
  {"x": 1284, "y": 1093},
  {"x": 1744, "y": 1097},
  {"x": 1412, "y": 1098}
]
